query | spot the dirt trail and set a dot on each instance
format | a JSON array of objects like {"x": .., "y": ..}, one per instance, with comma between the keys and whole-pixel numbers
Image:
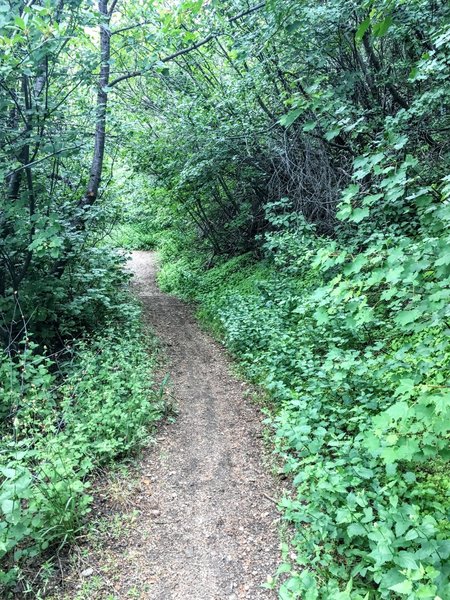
[
  {"x": 206, "y": 527},
  {"x": 209, "y": 531}
]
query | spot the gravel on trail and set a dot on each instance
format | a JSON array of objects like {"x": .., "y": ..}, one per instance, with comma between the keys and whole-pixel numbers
[{"x": 211, "y": 524}]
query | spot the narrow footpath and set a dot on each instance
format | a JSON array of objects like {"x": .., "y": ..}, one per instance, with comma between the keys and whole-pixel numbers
[{"x": 210, "y": 531}]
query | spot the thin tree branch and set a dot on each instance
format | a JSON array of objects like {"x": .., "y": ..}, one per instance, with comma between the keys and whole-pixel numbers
[
  {"x": 195, "y": 46},
  {"x": 165, "y": 59},
  {"x": 36, "y": 162},
  {"x": 123, "y": 29},
  {"x": 112, "y": 8},
  {"x": 244, "y": 13}
]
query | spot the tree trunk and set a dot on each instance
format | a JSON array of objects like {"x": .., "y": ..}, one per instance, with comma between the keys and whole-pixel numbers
[
  {"x": 91, "y": 194},
  {"x": 102, "y": 103}
]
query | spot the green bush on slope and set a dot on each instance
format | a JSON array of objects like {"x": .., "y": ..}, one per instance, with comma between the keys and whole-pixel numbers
[
  {"x": 353, "y": 346},
  {"x": 61, "y": 422}
]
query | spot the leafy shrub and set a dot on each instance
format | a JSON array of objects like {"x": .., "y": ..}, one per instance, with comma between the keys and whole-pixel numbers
[
  {"x": 352, "y": 342},
  {"x": 134, "y": 236},
  {"x": 63, "y": 419},
  {"x": 142, "y": 219},
  {"x": 91, "y": 292}
]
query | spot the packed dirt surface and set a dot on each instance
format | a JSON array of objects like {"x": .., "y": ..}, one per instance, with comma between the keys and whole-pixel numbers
[{"x": 209, "y": 529}]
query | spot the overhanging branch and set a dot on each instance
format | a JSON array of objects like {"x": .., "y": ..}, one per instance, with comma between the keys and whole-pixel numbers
[
  {"x": 195, "y": 46},
  {"x": 36, "y": 162}
]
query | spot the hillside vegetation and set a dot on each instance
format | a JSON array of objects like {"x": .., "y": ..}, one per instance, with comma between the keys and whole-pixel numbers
[
  {"x": 299, "y": 194},
  {"x": 290, "y": 162}
]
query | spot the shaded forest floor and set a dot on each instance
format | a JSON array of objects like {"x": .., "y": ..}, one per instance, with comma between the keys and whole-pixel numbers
[{"x": 198, "y": 520}]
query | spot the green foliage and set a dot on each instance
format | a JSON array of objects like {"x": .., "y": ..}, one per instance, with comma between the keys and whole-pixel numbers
[
  {"x": 59, "y": 425},
  {"x": 142, "y": 219},
  {"x": 283, "y": 103},
  {"x": 331, "y": 166},
  {"x": 362, "y": 410},
  {"x": 351, "y": 338},
  {"x": 52, "y": 277},
  {"x": 292, "y": 167},
  {"x": 134, "y": 236}
]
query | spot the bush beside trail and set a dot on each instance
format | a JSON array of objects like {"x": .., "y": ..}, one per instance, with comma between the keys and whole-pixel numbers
[{"x": 65, "y": 416}]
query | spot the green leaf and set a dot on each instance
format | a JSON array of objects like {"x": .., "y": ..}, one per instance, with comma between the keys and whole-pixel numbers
[
  {"x": 411, "y": 535},
  {"x": 8, "y": 506},
  {"x": 371, "y": 199},
  {"x": 407, "y": 316},
  {"x": 380, "y": 29},
  {"x": 404, "y": 587},
  {"x": 309, "y": 125},
  {"x": 20, "y": 23},
  {"x": 398, "y": 410},
  {"x": 332, "y": 133},
  {"x": 344, "y": 212},
  {"x": 355, "y": 529},
  {"x": 406, "y": 560},
  {"x": 363, "y": 27},
  {"x": 359, "y": 214},
  {"x": 356, "y": 265},
  {"x": 291, "y": 116},
  {"x": 401, "y": 141},
  {"x": 321, "y": 315},
  {"x": 7, "y": 472},
  {"x": 406, "y": 386}
]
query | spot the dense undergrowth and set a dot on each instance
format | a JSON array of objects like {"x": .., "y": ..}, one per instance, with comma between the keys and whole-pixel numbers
[
  {"x": 309, "y": 220},
  {"x": 307, "y": 193},
  {"x": 75, "y": 374},
  {"x": 362, "y": 415},
  {"x": 64, "y": 415}
]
